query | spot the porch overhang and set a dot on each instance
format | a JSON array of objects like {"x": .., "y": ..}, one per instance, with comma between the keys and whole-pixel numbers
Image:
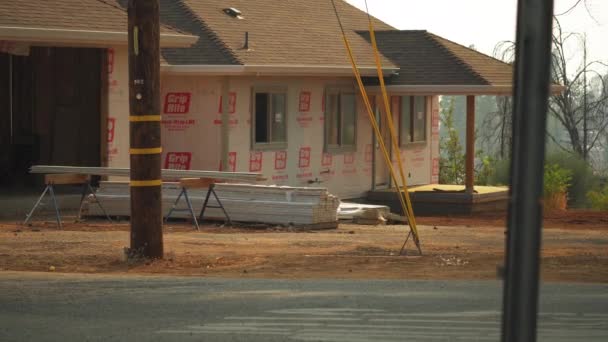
[{"x": 70, "y": 37}]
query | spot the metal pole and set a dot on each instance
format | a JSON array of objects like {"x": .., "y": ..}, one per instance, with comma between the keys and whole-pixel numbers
[{"x": 532, "y": 83}]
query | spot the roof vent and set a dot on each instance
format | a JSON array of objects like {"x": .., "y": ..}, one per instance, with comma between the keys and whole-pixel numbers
[{"x": 233, "y": 12}]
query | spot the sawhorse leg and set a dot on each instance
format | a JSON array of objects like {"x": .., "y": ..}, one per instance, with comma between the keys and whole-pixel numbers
[
  {"x": 49, "y": 188},
  {"x": 87, "y": 187},
  {"x": 184, "y": 192},
  {"x": 211, "y": 190}
]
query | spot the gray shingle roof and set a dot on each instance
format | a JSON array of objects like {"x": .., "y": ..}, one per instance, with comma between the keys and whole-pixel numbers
[{"x": 427, "y": 59}]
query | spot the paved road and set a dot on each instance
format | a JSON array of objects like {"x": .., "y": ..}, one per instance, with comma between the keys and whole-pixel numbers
[{"x": 55, "y": 307}]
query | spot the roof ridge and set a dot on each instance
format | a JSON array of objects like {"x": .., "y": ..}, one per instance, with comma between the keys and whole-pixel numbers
[
  {"x": 435, "y": 40},
  {"x": 212, "y": 34},
  {"x": 367, "y": 13},
  {"x": 472, "y": 50}
]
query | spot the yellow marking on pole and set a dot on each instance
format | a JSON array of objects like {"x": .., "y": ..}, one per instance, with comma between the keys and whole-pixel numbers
[
  {"x": 136, "y": 40},
  {"x": 153, "y": 150},
  {"x": 142, "y": 183},
  {"x": 144, "y": 118}
]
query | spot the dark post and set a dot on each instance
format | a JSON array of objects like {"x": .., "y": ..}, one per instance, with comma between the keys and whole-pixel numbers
[
  {"x": 470, "y": 146},
  {"x": 145, "y": 143},
  {"x": 532, "y": 83}
]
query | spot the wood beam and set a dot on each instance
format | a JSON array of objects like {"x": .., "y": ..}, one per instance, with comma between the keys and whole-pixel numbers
[{"x": 470, "y": 145}]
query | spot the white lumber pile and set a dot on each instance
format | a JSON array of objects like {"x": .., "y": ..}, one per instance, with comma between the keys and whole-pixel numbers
[
  {"x": 363, "y": 213},
  {"x": 243, "y": 202},
  {"x": 166, "y": 173}
]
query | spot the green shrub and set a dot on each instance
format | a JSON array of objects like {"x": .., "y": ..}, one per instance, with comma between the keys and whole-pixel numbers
[
  {"x": 583, "y": 179},
  {"x": 485, "y": 171},
  {"x": 500, "y": 176},
  {"x": 555, "y": 187},
  {"x": 599, "y": 199},
  {"x": 452, "y": 159},
  {"x": 557, "y": 180}
]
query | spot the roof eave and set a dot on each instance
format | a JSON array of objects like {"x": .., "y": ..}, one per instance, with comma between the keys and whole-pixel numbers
[
  {"x": 498, "y": 90},
  {"x": 69, "y": 37},
  {"x": 315, "y": 70},
  {"x": 274, "y": 70}
]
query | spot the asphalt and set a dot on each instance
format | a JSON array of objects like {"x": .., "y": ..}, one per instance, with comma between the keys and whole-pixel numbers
[{"x": 60, "y": 307}]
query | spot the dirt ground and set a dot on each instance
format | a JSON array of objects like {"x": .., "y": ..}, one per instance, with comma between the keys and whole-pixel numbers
[{"x": 574, "y": 249}]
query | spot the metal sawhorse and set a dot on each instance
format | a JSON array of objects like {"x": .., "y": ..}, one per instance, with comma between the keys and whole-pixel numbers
[
  {"x": 198, "y": 183},
  {"x": 51, "y": 180}
]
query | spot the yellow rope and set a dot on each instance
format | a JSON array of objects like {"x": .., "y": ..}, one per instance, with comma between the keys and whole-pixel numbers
[
  {"x": 393, "y": 132},
  {"x": 372, "y": 119}
]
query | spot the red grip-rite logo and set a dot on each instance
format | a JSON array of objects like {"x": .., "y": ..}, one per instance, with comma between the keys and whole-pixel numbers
[
  {"x": 255, "y": 161},
  {"x": 349, "y": 158},
  {"x": 178, "y": 160},
  {"x": 111, "y": 129},
  {"x": 304, "y": 101},
  {"x": 368, "y": 153},
  {"x": 304, "y": 158},
  {"x": 177, "y": 103},
  {"x": 327, "y": 159},
  {"x": 231, "y": 162},
  {"x": 280, "y": 160},
  {"x": 231, "y": 103}
]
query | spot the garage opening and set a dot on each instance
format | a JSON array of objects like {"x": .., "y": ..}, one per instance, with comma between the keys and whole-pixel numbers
[{"x": 50, "y": 111}]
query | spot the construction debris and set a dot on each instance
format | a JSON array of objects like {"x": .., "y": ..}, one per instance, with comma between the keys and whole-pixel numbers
[
  {"x": 281, "y": 205},
  {"x": 363, "y": 213}
]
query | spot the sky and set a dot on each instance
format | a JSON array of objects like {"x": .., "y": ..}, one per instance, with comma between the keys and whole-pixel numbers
[{"x": 484, "y": 23}]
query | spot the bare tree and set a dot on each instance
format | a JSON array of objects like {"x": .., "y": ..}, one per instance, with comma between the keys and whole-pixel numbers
[
  {"x": 496, "y": 127},
  {"x": 577, "y": 108},
  {"x": 581, "y": 109}
]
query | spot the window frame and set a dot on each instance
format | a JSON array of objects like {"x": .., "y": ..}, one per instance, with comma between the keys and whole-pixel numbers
[
  {"x": 412, "y": 142},
  {"x": 341, "y": 147},
  {"x": 268, "y": 146}
]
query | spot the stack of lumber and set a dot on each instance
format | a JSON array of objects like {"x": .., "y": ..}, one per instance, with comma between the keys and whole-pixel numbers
[
  {"x": 244, "y": 203},
  {"x": 369, "y": 214},
  {"x": 166, "y": 173}
]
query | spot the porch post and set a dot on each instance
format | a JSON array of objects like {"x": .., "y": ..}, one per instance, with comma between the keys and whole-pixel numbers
[
  {"x": 470, "y": 145},
  {"x": 225, "y": 127}
]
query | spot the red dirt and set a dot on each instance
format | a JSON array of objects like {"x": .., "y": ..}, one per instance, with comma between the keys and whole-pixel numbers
[
  {"x": 567, "y": 219},
  {"x": 574, "y": 249}
]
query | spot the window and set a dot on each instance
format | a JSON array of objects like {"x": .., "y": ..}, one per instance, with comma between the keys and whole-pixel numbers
[
  {"x": 269, "y": 119},
  {"x": 340, "y": 121},
  {"x": 412, "y": 119}
]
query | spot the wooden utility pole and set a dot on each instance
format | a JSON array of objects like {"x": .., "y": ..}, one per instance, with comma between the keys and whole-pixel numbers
[{"x": 145, "y": 142}]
